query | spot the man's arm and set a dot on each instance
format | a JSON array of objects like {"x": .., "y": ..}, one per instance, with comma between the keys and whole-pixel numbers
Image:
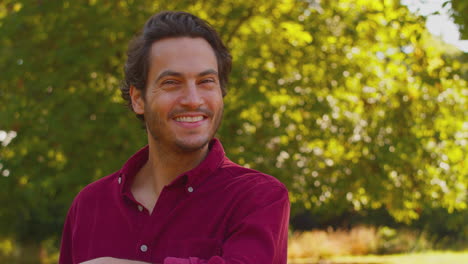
[
  {"x": 66, "y": 244},
  {"x": 109, "y": 260}
]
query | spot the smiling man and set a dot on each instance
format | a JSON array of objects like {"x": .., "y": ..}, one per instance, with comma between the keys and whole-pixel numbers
[{"x": 179, "y": 200}]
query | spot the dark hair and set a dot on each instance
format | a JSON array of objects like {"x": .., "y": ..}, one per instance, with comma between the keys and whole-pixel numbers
[{"x": 170, "y": 24}]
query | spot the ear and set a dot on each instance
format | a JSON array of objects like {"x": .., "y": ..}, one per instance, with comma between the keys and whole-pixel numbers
[{"x": 138, "y": 103}]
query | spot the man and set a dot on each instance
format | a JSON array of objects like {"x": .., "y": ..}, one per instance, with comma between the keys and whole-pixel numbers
[{"x": 178, "y": 200}]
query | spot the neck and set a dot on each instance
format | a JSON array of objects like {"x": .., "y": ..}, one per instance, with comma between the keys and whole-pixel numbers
[{"x": 165, "y": 163}]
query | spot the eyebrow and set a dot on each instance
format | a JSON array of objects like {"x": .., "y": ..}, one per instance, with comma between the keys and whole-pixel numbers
[
  {"x": 207, "y": 72},
  {"x": 167, "y": 73},
  {"x": 178, "y": 74}
]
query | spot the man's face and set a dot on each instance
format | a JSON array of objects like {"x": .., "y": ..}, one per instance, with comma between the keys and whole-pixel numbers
[{"x": 183, "y": 103}]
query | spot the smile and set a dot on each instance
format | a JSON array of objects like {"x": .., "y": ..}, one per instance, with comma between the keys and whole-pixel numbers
[{"x": 189, "y": 119}]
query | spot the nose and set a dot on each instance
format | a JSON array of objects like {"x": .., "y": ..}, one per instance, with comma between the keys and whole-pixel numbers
[{"x": 191, "y": 98}]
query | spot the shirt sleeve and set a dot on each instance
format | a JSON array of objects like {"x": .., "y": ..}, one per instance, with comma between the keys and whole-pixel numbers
[
  {"x": 66, "y": 256},
  {"x": 259, "y": 235}
]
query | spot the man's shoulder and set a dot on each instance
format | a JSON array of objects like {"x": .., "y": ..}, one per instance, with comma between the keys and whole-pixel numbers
[
  {"x": 250, "y": 190},
  {"x": 101, "y": 187},
  {"x": 248, "y": 176}
]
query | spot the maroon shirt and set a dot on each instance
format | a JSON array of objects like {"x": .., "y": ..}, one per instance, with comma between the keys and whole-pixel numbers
[{"x": 218, "y": 212}]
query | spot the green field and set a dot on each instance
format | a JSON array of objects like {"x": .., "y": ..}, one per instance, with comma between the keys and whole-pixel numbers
[{"x": 416, "y": 258}]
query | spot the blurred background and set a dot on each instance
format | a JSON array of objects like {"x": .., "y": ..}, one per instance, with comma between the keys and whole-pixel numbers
[{"x": 359, "y": 107}]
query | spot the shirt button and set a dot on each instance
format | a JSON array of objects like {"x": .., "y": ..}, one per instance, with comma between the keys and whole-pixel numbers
[
  {"x": 144, "y": 248},
  {"x": 140, "y": 208},
  {"x": 190, "y": 189},
  {"x": 120, "y": 180}
]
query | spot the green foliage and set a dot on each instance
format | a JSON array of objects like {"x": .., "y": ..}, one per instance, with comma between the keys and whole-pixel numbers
[
  {"x": 459, "y": 11},
  {"x": 347, "y": 102}
]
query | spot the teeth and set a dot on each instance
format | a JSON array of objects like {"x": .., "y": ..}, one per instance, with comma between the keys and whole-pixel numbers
[{"x": 190, "y": 119}]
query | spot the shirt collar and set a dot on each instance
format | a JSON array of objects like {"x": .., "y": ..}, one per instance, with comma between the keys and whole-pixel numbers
[
  {"x": 194, "y": 177},
  {"x": 212, "y": 162},
  {"x": 131, "y": 168}
]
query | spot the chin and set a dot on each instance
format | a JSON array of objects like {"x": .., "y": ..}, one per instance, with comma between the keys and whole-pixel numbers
[{"x": 192, "y": 145}]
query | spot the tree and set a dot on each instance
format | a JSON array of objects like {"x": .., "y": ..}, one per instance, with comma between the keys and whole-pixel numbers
[
  {"x": 458, "y": 12},
  {"x": 347, "y": 102}
]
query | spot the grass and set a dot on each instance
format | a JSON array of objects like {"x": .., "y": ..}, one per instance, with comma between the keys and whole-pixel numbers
[{"x": 413, "y": 258}]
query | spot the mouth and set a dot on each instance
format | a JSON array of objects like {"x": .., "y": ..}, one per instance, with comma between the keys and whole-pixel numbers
[{"x": 189, "y": 119}]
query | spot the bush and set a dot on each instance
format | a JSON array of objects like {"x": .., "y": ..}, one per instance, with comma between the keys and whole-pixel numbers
[
  {"x": 392, "y": 241},
  {"x": 323, "y": 244},
  {"x": 360, "y": 240}
]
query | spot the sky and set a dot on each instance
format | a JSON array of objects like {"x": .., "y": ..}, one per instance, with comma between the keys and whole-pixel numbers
[{"x": 439, "y": 25}]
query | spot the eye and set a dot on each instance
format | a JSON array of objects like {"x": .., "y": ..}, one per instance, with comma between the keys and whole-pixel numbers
[
  {"x": 208, "y": 80},
  {"x": 169, "y": 82}
]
